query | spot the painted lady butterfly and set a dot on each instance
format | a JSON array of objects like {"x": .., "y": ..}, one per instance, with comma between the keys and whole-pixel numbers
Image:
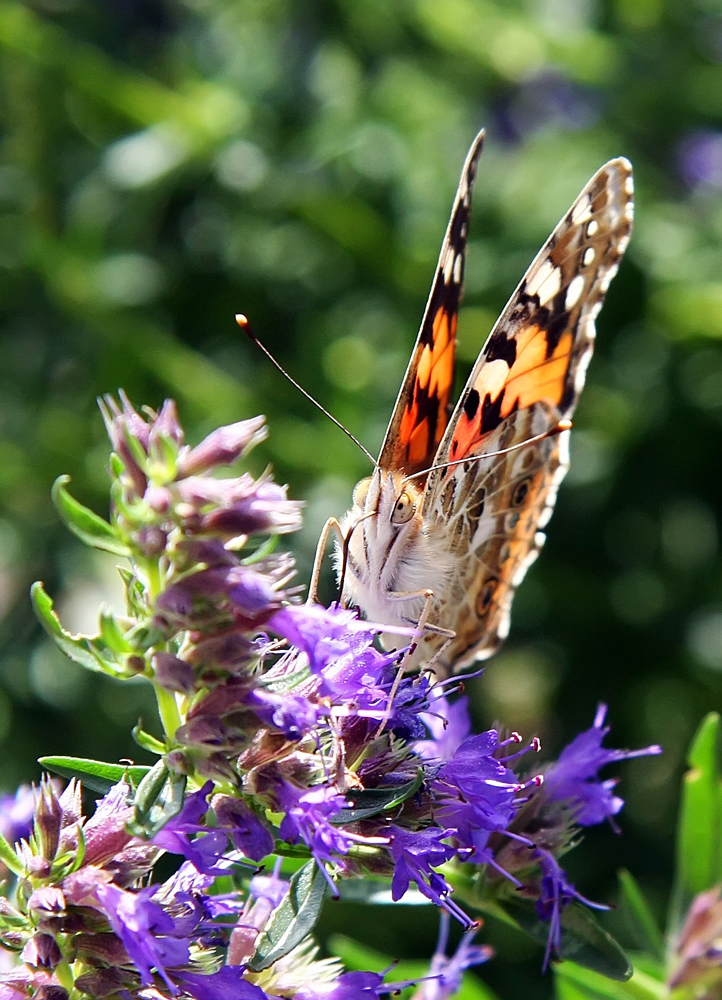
[{"x": 449, "y": 522}]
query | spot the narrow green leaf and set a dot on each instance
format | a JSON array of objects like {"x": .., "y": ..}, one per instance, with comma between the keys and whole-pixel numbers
[
  {"x": 89, "y": 651},
  {"x": 293, "y": 918},
  {"x": 643, "y": 926},
  {"x": 95, "y": 774},
  {"x": 574, "y": 982},
  {"x": 582, "y": 941},
  {"x": 371, "y": 801},
  {"x": 89, "y": 528},
  {"x": 699, "y": 833},
  {"x": 9, "y": 858}
]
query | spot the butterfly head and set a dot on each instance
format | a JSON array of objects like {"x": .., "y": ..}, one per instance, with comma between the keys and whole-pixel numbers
[{"x": 387, "y": 497}]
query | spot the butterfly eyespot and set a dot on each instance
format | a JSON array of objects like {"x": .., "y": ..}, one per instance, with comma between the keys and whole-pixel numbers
[
  {"x": 404, "y": 509},
  {"x": 520, "y": 493},
  {"x": 486, "y": 595},
  {"x": 361, "y": 491}
]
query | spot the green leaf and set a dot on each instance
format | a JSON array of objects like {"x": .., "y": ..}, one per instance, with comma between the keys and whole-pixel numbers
[
  {"x": 293, "y": 918},
  {"x": 9, "y": 858},
  {"x": 89, "y": 651},
  {"x": 699, "y": 833},
  {"x": 574, "y": 982},
  {"x": 89, "y": 528},
  {"x": 582, "y": 939},
  {"x": 642, "y": 924},
  {"x": 159, "y": 798},
  {"x": 95, "y": 774},
  {"x": 113, "y": 635},
  {"x": 371, "y": 801}
]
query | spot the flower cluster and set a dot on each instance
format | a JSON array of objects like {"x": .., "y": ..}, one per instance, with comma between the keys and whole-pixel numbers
[{"x": 289, "y": 739}]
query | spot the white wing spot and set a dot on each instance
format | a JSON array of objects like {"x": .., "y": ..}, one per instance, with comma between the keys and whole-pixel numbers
[
  {"x": 589, "y": 256},
  {"x": 458, "y": 266},
  {"x": 581, "y": 212},
  {"x": 448, "y": 265},
  {"x": 592, "y": 227},
  {"x": 574, "y": 292},
  {"x": 545, "y": 283}
]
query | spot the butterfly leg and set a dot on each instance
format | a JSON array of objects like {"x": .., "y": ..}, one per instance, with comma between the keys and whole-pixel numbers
[
  {"x": 421, "y": 626},
  {"x": 332, "y": 525}
]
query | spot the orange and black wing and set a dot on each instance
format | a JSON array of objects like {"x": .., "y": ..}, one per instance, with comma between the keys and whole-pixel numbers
[
  {"x": 528, "y": 377},
  {"x": 422, "y": 408}
]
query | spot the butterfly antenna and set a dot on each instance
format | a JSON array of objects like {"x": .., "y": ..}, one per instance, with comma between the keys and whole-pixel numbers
[
  {"x": 563, "y": 425},
  {"x": 246, "y": 327}
]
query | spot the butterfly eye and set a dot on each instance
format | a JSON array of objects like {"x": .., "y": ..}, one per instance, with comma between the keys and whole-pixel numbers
[
  {"x": 361, "y": 491},
  {"x": 404, "y": 509}
]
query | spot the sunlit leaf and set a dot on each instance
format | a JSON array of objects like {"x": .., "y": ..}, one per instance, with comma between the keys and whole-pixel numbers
[
  {"x": 88, "y": 526},
  {"x": 293, "y": 918},
  {"x": 699, "y": 833},
  {"x": 89, "y": 651},
  {"x": 95, "y": 774}
]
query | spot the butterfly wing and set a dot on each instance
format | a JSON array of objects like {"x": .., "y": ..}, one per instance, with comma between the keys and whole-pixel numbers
[
  {"x": 421, "y": 412},
  {"x": 527, "y": 378}
]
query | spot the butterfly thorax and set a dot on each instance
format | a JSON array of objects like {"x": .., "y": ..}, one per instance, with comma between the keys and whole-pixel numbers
[{"x": 391, "y": 551}]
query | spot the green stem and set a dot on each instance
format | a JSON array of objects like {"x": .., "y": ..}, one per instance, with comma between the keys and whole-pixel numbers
[
  {"x": 65, "y": 977},
  {"x": 168, "y": 711},
  {"x": 153, "y": 576}
]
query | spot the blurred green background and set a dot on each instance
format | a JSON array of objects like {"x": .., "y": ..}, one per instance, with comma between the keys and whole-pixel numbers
[{"x": 165, "y": 165}]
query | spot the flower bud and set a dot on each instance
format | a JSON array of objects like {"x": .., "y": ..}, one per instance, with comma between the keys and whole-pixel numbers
[
  {"x": 48, "y": 820},
  {"x": 173, "y": 673},
  {"x": 223, "y": 446},
  {"x": 41, "y": 952}
]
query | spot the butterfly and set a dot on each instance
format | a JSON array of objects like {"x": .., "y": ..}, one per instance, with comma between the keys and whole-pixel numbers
[{"x": 447, "y": 525}]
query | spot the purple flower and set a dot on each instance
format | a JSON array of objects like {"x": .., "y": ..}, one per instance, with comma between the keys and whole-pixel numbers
[
  {"x": 308, "y": 816},
  {"x": 266, "y": 509},
  {"x": 573, "y": 779},
  {"x": 173, "y": 673},
  {"x": 251, "y": 591},
  {"x": 448, "y": 724},
  {"x": 338, "y": 648},
  {"x": 16, "y": 814},
  {"x": 147, "y": 931},
  {"x": 205, "y": 852},
  {"x": 226, "y": 984},
  {"x": 446, "y": 974},
  {"x": 555, "y": 893},
  {"x": 348, "y": 986},
  {"x": 698, "y": 956},
  {"x": 222, "y": 446},
  {"x": 249, "y": 834},
  {"x": 415, "y": 854},
  {"x": 475, "y": 794}
]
